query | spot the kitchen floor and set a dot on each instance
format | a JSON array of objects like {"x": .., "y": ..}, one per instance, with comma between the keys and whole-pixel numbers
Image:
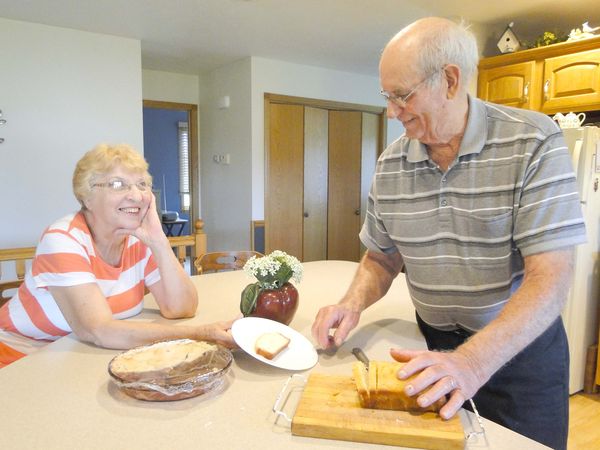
[{"x": 584, "y": 422}]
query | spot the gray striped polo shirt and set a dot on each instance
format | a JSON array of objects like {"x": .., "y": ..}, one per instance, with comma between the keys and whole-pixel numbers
[{"x": 463, "y": 234}]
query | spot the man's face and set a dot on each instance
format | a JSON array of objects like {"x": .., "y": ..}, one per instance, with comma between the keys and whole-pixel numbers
[{"x": 423, "y": 111}]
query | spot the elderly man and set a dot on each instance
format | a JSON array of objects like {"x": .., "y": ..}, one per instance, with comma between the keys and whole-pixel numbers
[{"x": 479, "y": 203}]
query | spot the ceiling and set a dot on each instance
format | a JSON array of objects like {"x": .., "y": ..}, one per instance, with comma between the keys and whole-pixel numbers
[{"x": 196, "y": 36}]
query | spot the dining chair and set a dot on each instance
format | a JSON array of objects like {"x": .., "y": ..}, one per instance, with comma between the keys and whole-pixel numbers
[
  {"x": 221, "y": 261},
  {"x": 17, "y": 257}
]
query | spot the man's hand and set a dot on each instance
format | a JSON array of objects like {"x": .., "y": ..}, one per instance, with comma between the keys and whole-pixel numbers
[
  {"x": 453, "y": 373},
  {"x": 339, "y": 316}
]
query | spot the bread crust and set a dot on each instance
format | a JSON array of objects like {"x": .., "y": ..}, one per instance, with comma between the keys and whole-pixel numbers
[
  {"x": 162, "y": 361},
  {"x": 382, "y": 389}
]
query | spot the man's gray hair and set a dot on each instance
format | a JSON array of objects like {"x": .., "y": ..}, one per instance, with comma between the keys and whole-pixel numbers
[{"x": 453, "y": 44}]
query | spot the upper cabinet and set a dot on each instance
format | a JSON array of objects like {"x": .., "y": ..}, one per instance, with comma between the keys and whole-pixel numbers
[{"x": 561, "y": 77}]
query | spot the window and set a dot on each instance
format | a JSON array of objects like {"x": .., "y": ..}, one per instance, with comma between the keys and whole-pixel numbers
[{"x": 184, "y": 164}]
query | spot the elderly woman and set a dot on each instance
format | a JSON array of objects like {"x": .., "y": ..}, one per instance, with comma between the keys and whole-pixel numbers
[{"x": 91, "y": 267}]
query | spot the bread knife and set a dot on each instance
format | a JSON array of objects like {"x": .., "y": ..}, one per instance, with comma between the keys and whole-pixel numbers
[{"x": 360, "y": 355}]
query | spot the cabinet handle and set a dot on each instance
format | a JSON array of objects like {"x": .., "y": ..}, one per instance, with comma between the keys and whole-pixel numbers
[
  {"x": 357, "y": 211},
  {"x": 305, "y": 213},
  {"x": 525, "y": 93},
  {"x": 546, "y": 89}
]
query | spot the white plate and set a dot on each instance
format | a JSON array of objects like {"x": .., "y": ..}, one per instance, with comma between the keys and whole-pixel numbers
[{"x": 299, "y": 355}]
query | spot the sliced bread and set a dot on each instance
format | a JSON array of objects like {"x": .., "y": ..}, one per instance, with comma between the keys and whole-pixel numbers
[{"x": 270, "y": 345}]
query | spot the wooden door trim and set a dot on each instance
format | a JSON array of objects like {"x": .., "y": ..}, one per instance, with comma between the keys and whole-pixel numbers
[
  {"x": 192, "y": 110},
  {"x": 324, "y": 104}
]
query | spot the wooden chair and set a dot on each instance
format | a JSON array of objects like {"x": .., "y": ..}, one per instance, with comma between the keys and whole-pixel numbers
[
  {"x": 196, "y": 241},
  {"x": 218, "y": 261},
  {"x": 18, "y": 257}
]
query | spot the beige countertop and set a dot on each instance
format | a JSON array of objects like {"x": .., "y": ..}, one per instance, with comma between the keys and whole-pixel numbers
[{"x": 62, "y": 398}]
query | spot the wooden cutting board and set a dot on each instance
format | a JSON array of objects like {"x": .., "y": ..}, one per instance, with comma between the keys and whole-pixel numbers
[{"x": 329, "y": 408}]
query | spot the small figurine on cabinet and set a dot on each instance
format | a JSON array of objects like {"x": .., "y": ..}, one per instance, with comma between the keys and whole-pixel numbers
[
  {"x": 586, "y": 31},
  {"x": 509, "y": 42}
]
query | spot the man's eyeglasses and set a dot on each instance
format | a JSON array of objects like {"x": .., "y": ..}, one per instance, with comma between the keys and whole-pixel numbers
[
  {"x": 402, "y": 100},
  {"x": 119, "y": 185}
]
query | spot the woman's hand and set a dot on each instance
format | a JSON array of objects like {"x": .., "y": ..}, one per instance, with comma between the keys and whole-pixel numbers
[
  {"x": 218, "y": 332},
  {"x": 150, "y": 230}
]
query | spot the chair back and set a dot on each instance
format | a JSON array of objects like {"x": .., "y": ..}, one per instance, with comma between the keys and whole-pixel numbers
[
  {"x": 220, "y": 261},
  {"x": 195, "y": 242},
  {"x": 16, "y": 257}
]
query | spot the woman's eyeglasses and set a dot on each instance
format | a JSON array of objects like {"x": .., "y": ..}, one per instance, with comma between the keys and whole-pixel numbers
[{"x": 119, "y": 185}]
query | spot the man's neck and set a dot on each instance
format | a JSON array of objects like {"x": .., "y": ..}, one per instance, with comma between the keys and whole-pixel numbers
[{"x": 445, "y": 151}]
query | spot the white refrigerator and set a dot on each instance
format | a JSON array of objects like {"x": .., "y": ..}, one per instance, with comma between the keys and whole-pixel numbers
[{"x": 580, "y": 315}]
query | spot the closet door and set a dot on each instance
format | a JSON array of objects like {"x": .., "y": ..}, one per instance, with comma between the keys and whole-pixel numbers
[
  {"x": 285, "y": 173},
  {"x": 315, "y": 183},
  {"x": 343, "y": 224},
  {"x": 370, "y": 145}
]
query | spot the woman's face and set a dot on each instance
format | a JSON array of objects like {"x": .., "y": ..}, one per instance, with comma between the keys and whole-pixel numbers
[{"x": 119, "y": 199}]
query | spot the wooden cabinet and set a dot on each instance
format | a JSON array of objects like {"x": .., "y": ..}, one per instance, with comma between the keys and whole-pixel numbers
[
  {"x": 557, "y": 78},
  {"x": 508, "y": 85}
]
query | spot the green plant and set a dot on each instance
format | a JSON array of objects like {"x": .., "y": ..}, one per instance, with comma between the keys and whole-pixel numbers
[{"x": 548, "y": 38}]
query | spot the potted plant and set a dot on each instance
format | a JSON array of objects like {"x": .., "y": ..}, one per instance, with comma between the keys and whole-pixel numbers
[{"x": 272, "y": 296}]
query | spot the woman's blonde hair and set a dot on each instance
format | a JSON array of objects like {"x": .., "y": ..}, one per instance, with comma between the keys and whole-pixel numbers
[{"x": 101, "y": 160}]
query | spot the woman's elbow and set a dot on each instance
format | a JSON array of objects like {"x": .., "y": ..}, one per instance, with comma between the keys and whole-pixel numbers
[
  {"x": 182, "y": 310},
  {"x": 92, "y": 335}
]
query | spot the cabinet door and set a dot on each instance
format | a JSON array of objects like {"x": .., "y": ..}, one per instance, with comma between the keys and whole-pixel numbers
[
  {"x": 571, "y": 82},
  {"x": 510, "y": 85}
]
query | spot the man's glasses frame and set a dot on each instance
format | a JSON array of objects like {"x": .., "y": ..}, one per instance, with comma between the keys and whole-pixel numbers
[{"x": 402, "y": 100}]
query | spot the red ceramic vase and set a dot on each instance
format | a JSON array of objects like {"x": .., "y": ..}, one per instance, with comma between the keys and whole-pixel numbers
[{"x": 277, "y": 304}]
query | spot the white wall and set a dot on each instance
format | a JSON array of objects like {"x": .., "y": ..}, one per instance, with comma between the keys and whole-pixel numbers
[
  {"x": 61, "y": 91},
  {"x": 226, "y": 188},
  {"x": 170, "y": 87}
]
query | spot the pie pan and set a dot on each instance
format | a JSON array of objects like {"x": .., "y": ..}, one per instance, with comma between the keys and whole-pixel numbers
[{"x": 177, "y": 382}]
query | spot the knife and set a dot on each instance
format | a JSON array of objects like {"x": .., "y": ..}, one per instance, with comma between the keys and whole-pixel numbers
[{"x": 360, "y": 355}]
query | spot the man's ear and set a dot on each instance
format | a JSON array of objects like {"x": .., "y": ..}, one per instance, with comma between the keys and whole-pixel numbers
[{"x": 453, "y": 78}]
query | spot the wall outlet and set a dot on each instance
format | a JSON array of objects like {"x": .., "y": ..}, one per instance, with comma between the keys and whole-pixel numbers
[{"x": 222, "y": 159}]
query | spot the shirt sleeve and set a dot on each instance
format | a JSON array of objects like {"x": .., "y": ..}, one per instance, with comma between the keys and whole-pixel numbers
[
  {"x": 61, "y": 261},
  {"x": 549, "y": 213}
]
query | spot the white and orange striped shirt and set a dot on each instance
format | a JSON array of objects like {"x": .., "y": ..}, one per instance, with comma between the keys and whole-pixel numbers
[{"x": 67, "y": 256}]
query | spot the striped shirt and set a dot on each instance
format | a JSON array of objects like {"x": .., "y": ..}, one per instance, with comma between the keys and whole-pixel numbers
[
  {"x": 510, "y": 193},
  {"x": 67, "y": 256}
]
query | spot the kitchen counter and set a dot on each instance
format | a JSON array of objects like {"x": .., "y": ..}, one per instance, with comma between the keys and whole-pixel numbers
[{"x": 61, "y": 397}]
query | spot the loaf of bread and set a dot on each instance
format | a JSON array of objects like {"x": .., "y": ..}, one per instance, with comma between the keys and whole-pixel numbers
[
  {"x": 270, "y": 345},
  {"x": 161, "y": 361},
  {"x": 380, "y": 388}
]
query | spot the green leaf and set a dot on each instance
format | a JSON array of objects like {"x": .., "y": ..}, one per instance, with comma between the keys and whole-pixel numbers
[{"x": 249, "y": 298}]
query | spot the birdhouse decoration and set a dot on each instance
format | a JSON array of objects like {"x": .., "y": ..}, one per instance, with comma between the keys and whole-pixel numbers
[{"x": 509, "y": 42}]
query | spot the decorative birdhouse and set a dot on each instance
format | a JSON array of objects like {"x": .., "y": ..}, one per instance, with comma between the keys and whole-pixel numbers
[{"x": 509, "y": 42}]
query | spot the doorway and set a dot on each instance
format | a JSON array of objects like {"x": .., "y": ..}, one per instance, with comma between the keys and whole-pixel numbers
[
  {"x": 320, "y": 159},
  {"x": 171, "y": 149}
]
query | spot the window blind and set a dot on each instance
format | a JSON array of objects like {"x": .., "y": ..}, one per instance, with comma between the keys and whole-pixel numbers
[{"x": 184, "y": 165}]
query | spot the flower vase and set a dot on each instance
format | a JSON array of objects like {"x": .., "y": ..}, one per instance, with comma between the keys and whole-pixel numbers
[{"x": 277, "y": 304}]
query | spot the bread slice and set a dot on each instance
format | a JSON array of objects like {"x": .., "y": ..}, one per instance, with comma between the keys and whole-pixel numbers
[
  {"x": 270, "y": 345},
  {"x": 384, "y": 389},
  {"x": 160, "y": 361},
  {"x": 361, "y": 377}
]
